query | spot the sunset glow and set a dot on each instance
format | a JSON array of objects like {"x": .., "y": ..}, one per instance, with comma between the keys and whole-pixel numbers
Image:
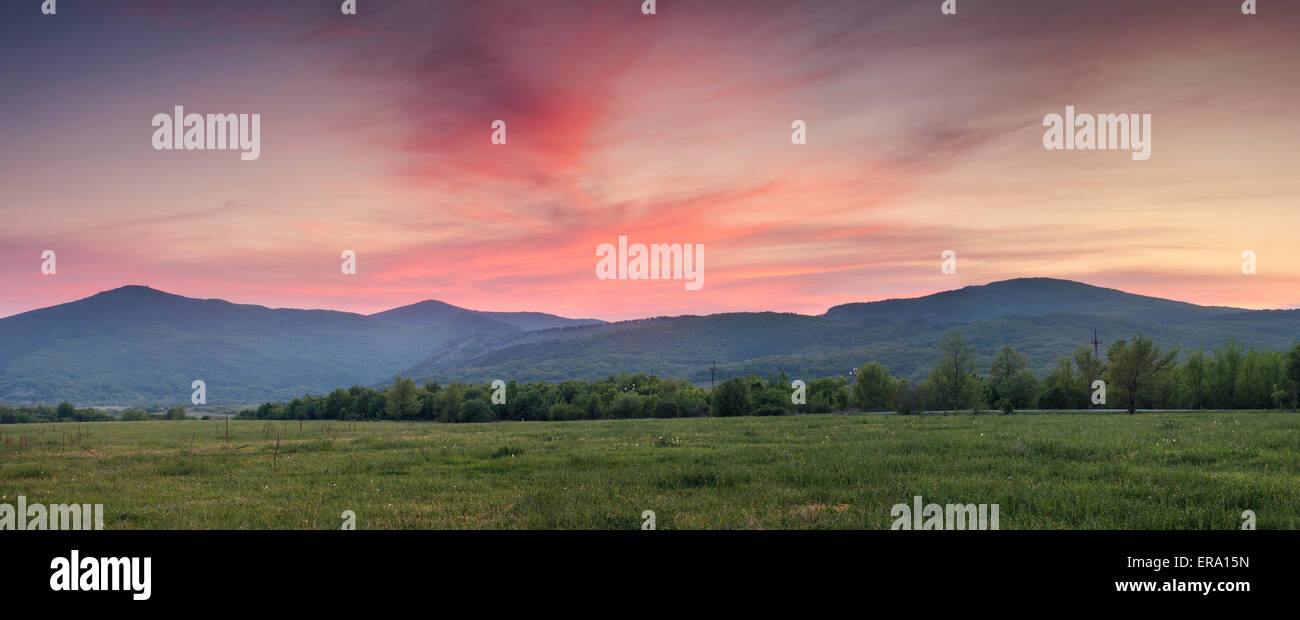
[{"x": 924, "y": 135}]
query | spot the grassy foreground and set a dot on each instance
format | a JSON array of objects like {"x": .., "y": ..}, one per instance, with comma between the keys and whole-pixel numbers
[{"x": 1167, "y": 471}]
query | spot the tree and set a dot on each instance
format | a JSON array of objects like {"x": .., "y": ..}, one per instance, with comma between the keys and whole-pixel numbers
[
  {"x": 951, "y": 376},
  {"x": 908, "y": 399},
  {"x": 1280, "y": 397},
  {"x": 1261, "y": 372},
  {"x": 1225, "y": 367},
  {"x": 477, "y": 410},
  {"x": 1194, "y": 380},
  {"x": 1137, "y": 370},
  {"x": 1293, "y": 373},
  {"x": 590, "y": 404},
  {"x": 827, "y": 394},
  {"x": 731, "y": 398},
  {"x": 625, "y": 406},
  {"x": 1063, "y": 388},
  {"x": 134, "y": 415},
  {"x": 450, "y": 398},
  {"x": 873, "y": 388},
  {"x": 403, "y": 399},
  {"x": 1011, "y": 384},
  {"x": 561, "y": 411},
  {"x": 175, "y": 413},
  {"x": 336, "y": 404},
  {"x": 1090, "y": 368},
  {"x": 666, "y": 409},
  {"x": 65, "y": 410}
]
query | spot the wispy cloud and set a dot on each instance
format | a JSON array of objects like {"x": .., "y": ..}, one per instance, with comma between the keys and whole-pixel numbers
[{"x": 924, "y": 135}]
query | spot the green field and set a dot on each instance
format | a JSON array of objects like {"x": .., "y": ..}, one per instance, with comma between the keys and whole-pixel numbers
[{"x": 1195, "y": 470}]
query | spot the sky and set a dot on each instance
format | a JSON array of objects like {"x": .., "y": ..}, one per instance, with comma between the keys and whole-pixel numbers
[{"x": 924, "y": 134}]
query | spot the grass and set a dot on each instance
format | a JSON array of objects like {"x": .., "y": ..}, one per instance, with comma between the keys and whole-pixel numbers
[{"x": 1195, "y": 470}]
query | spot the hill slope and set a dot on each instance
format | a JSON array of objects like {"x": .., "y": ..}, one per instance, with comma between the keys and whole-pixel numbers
[
  {"x": 1042, "y": 318},
  {"x": 816, "y": 346},
  {"x": 137, "y": 345},
  {"x": 432, "y": 311},
  {"x": 1026, "y": 297}
]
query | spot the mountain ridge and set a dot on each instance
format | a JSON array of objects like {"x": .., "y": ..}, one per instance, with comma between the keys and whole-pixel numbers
[
  {"x": 971, "y": 303},
  {"x": 137, "y": 345}
]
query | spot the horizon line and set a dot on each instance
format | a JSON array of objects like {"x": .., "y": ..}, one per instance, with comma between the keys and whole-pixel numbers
[{"x": 588, "y": 318}]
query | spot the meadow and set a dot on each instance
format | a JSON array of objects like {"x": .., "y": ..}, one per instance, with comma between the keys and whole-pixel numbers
[{"x": 1169, "y": 470}]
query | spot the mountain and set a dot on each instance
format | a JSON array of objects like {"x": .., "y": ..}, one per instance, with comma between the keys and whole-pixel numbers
[
  {"x": 1039, "y": 317},
  {"x": 1026, "y": 297},
  {"x": 431, "y": 311},
  {"x": 137, "y": 345}
]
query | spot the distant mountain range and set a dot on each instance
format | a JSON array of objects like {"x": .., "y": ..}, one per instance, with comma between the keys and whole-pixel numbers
[
  {"x": 432, "y": 312},
  {"x": 136, "y": 345},
  {"x": 1026, "y": 297},
  {"x": 1042, "y": 318}
]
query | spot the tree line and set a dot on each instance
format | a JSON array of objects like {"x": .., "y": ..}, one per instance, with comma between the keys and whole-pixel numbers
[
  {"x": 66, "y": 412},
  {"x": 1133, "y": 374},
  {"x": 1136, "y": 374}
]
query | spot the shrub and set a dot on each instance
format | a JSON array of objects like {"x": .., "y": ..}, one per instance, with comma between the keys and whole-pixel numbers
[
  {"x": 731, "y": 398},
  {"x": 908, "y": 399},
  {"x": 477, "y": 411},
  {"x": 666, "y": 409},
  {"x": 562, "y": 412},
  {"x": 134, "y": 415},
  {"x": 625, "y": 406}
]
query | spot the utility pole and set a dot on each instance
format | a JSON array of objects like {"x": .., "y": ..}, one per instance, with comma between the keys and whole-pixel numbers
[
  {"x": 713, "y": 373},
  {"x": 1096, "y": 350}
]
